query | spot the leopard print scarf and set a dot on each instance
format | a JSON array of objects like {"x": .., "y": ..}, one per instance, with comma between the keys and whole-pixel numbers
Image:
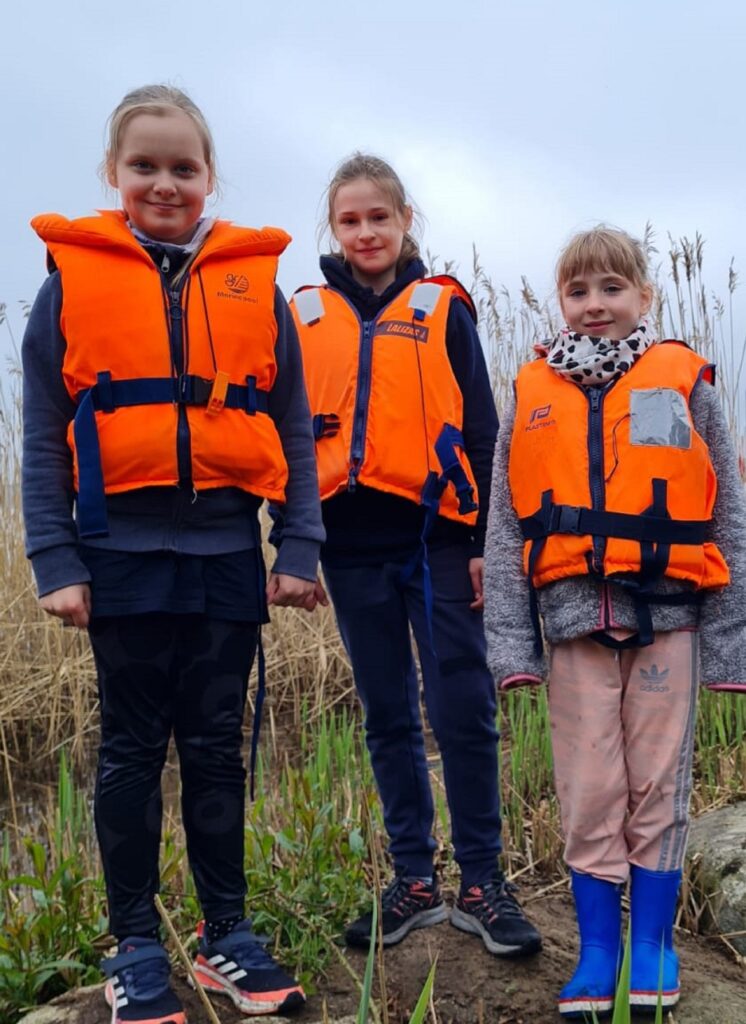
[{"x": 592, "y": 361}]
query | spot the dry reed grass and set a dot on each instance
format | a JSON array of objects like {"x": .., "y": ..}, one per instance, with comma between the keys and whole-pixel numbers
[{"x": 47, "y": 680}]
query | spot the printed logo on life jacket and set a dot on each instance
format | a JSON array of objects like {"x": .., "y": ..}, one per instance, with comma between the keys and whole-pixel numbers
[
  {"x": 540, "y": 418},
  {"x": 238, "y": 285},
  {"x": 403, "y": 329},
  {"x": 654, "y": 680}
]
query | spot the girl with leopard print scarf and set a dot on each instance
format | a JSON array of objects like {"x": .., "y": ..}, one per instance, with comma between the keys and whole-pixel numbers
[{"x": 617, "y": 504}]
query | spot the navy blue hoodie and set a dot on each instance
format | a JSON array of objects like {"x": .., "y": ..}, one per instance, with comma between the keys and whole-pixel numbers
[{"x": 367, "y": 526}]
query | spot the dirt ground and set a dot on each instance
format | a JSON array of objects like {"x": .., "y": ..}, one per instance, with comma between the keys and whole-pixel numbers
[{"x": 473, "y": 987}]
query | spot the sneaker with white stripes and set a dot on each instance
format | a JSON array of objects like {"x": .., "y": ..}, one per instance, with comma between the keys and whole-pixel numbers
[
  {"x": 138, "y": 989},
  {"x": 239, "y": 967}
]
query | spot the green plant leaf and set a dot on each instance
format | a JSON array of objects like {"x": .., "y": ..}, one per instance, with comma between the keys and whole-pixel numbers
[
  {"x": 418, "y": 1014},
  {"x": 622, "y": 1013},
  {"x": 659, "y": 1003},
  {"x": 362, "y": 1013}
]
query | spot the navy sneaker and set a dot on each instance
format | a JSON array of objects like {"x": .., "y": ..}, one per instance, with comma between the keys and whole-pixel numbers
[
  {"x": 492, "y": 912},
  {"x": 138, "y": 988},
  {"x": 238, "y": 966},
  {"x": 406, "y": 903}
]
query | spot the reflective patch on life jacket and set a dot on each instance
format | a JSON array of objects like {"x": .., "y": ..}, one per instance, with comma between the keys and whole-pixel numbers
[
  {"x": 309, "y": 305},
  {"x": 659, "y": 416},
  {"x": 424, "y": 298}
]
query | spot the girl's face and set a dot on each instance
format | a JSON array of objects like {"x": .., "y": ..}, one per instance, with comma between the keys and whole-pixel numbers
[
  {"x": 162, "y": 175},
  {"x": 370, "y": 231},
  {"x": 604, "y": 304}
]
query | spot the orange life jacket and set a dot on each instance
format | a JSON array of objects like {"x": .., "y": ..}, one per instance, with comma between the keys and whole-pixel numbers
[
  {"x": 615, "y": 482},
  {"x": 171, "y": 386},
  {"x": 387, "y": 408}
]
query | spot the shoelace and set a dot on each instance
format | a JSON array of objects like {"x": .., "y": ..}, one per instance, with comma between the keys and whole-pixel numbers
[
  {"x": 396, "y": 892},
  {"x": 500, "y": 899}
]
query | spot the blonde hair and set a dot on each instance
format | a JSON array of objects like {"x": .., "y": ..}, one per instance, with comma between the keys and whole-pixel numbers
[
  {"x": 365, "y": 165},
  {"x": 603, "y": 248},
  {"x": 159, "y": 100}
]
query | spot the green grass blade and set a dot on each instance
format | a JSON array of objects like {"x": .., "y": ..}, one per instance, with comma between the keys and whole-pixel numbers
[
  {"x": 418, "y": 1014},
  {"x": 362, "y": 1013},
  {"x": 659, "y": 1004},
  {"x": 622, "y": 1014}
]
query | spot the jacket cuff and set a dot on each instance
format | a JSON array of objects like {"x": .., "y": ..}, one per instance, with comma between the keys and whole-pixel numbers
[
  {"x": 476, "y": 543},
  {"x": 58, "y": 567},
  {"x": 520, "y": 679},
  {"x": 508, "y": 661},
  {"x": 298, "y": 557}
]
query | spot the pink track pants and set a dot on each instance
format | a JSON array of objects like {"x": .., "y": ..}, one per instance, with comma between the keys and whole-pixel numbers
[{"x": 622, "y": 736}]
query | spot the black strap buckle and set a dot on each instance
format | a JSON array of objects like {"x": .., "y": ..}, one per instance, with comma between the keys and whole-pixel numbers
[
  {"x": 193, "y": 390},
  {"x": 466, "y": 503},
  {"x": 325, "y": 424},
  {"x": 566, "y": 519}
]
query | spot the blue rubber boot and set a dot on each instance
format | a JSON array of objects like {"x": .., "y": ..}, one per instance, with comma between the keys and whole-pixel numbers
[
  {"x": 598, "y": 905},
  {"x": 653, "y": 896}
]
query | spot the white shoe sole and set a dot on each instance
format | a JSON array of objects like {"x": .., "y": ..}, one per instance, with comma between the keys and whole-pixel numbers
[
  {"x": 582, "y": 1006},
  {"x": 469, "y": 923},
  {"x": 422, "y": 919},
  {"x": 649, "y": 1000},
  {"x": 215, "y": 983}
]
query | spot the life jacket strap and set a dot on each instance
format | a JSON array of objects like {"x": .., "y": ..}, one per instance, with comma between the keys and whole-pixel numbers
[
  {"x": 261, "y": 691},
  {"x": 106, "y": 395},
  {"x": 435, "y": 484},
  {"x": 646, "y": 528},
  {"x": 187, "y": 389},
  {"x": 653, "y": 529},
  {"x": 430, "y": 496},
  {"x": 449, "y": 439}
]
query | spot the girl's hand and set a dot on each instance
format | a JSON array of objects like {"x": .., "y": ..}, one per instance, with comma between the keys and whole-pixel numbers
[
  {"x": 476, "y": 573},
  {"x": 293, "y": 592},
  {"x": 71, "y": 604},
  {"x": 320, "y": 594}
]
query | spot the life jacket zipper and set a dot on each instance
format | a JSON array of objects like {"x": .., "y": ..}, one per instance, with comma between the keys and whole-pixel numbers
[
  {"x": 362, "y": 396},
  {"x": 175, "y": 315},
  {"x": 596, "y": 469}
]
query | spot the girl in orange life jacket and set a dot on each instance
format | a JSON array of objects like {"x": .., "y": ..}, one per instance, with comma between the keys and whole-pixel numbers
[
  {"x": 404, "y": 416},
  {"x": 164, "y": 397},
  {"x": 617, "y": 517}
]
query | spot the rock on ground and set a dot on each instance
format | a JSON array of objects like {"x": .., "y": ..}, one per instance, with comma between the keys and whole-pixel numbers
[{"x": 717, "y": 851}]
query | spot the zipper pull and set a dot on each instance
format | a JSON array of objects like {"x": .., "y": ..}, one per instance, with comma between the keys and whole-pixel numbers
[
  {"x": 351, "y": 480},
  {"x": 165, "y": 264}
]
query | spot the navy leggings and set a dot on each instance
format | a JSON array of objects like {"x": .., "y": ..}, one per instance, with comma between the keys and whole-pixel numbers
[
  {"x": 374, "y": 611},
  {"x": 161, "y": 674}
]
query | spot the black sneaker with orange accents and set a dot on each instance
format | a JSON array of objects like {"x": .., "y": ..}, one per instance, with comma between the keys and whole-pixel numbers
[
  {"x": 492, "y": 912},
  {"x": 138, "y": 989},
  {"x": 406, "y": 903},
  {"x": 238, "y": 966}
]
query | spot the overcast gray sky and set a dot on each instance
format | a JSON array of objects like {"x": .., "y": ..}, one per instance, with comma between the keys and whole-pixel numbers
[{"x": 512, "y": 124}]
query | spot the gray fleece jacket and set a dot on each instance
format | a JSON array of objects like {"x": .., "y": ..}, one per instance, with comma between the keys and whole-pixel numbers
[{"x": 573, "y": 608}]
